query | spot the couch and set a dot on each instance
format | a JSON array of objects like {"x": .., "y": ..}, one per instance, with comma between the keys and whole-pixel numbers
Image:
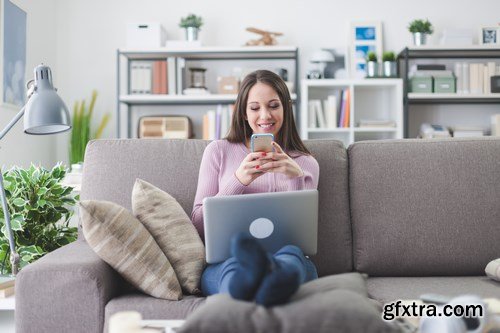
[{"x": 417, "y": 216}]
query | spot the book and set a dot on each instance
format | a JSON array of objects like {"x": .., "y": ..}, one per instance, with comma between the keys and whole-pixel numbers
[
  {"x": 495, "y": 125},
  {"x": 458, "y": 75},
  {"x": 6, "y": 281},
  {"x": 171, "y": 76},
  {"x": 377, "y": 123},
  {"x": 342, "y": 108},
  {"x": 432, "y": 67},
  {"x": 331, "y": 111},
  {"x": 6, "y": 292},
  {"x": 311, "y": 112},
  {"x": 320, "y": 115},
  {"x": 347, "y": 109},
  {"x": 465, "y": 132}
]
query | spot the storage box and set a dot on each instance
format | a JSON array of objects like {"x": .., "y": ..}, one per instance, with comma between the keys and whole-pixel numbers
[
  {"x": 421, "y": 84},
  {"x": 445, "y": 84},
  {"x": 227, "y": 85},
  {"x": 146, "y": 35},
  {"x": 167, "y": 127}
]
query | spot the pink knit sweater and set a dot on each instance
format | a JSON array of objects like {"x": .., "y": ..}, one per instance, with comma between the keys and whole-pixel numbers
[{"x": 220, "y": 161}]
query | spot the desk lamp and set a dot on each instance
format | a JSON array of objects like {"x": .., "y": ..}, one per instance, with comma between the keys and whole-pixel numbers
[{"x": 44, "y": 113}]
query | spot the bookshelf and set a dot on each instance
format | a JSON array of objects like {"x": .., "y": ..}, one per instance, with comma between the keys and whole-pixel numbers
[
  {"x": 436, "y": 54},
  {"x": 372, "y": 100},
  {"x": 219, "y": 61}
]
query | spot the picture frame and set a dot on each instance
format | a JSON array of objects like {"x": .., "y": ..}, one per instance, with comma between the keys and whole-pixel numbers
[
  {"x": 489, "y": 35},
  {"x": 364, "y": 36},
  {"x": 13, "y": 29}
]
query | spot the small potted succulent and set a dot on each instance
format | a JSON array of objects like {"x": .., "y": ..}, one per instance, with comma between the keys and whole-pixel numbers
[
  {"x": 192, "y": 24},
  {"x": 420, "y": 29},
  {"x": 389, "y": 64},
  {"x": 371, "y": 64}
]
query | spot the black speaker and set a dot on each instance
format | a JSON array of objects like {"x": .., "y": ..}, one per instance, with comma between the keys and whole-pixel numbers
[{"x": 495, "y": 84}]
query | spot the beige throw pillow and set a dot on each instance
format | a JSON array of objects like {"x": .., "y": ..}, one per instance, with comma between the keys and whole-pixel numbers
[
  {"x": 125, "y": 244},
  {"x": 173, "y": 230}
]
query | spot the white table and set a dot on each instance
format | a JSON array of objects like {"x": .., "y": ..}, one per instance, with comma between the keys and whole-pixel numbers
[{"x": 167, "y": 325}]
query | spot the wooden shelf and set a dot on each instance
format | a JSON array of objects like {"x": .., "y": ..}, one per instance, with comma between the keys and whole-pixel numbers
[
  {"x": 439, "y": 51},
  {"x": 415, "y": 98},
  {"x": 147, "y": 99},
  {"x": 328, "y": 83}
]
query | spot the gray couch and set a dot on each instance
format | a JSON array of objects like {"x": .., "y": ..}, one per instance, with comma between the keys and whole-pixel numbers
[{"x": 417, "y": 216}]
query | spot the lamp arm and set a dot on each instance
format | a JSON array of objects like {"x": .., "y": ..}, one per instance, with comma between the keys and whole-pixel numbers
[
  {"x": 7, "y": 128},
  {"x": 14, "y": 257}
]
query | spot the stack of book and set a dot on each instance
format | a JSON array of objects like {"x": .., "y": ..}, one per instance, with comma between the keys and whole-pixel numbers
[
  {"x": 6, "y": 286},
  {"x": 465, "y": 132},
  {"x": 149, "y": 77},
  {"x": 334, "y": 112},
  {"x": 376, "y": 123},
  {"x": 216, "y": 123},
  {"x": 475, "y": 78}
]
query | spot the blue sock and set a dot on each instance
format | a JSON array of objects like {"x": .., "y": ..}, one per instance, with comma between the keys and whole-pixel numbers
[
  {"x": 278, "y": 285},
  {"x": 253, "y": 264}
]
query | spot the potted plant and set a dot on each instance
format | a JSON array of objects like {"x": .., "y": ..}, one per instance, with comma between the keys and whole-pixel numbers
[
  {"x": 371, "y": 64},
  {"x": 81, "y": 131},
  {"x": 420, "y": 29},
  {"x": 389, "y": 64},
  {"x": 192, "y": 24},
  {"x": 40, "y": 207}
]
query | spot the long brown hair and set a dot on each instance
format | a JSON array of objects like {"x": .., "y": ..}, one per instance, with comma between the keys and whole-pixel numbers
[{"x": 288, "y": 137}]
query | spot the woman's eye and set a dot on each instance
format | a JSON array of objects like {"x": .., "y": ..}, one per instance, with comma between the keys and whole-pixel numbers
[
  {"x": 274, "y": 106},
  {"x": 254, "y": 109}
]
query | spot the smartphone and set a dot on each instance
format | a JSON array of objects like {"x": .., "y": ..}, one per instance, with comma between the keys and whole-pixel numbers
[{"x": 262, "y": 142}]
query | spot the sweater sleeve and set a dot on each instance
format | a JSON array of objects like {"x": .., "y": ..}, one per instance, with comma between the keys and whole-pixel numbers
[
  {"x": 309, "y": 180},
  {"x": 208, "y": 183}
]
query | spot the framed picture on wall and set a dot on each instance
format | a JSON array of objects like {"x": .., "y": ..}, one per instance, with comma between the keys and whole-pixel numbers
[
  {"x": 489, "y": 35},
  {"x": 12, "y": 55},
  {"x": 364, "y": 37}
]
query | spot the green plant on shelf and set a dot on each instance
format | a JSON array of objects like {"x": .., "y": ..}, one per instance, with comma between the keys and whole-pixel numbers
[
  {"x": 81, "y": 132},
  {"x": 371, "y": 56},
  {"x": 388, "y": 56},
  {"x": 40, "y": 210},
  {"x": 191, "y": 21},
  {"x": 421, "y": 26}
]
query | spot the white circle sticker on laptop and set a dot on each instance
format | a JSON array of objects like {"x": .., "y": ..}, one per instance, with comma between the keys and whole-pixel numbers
[{"x": 261, "y": 228}]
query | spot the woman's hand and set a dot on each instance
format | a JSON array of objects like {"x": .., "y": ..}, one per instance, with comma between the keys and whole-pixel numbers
[
  {"x": 281, "y": 163},
  {"x": 250, "y": 167}
]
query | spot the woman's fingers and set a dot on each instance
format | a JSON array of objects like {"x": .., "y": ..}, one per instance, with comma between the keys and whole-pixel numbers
[{"x": 277, "y": 147}]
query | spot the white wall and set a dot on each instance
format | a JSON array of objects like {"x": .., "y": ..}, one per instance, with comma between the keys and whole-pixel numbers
[
  {"x": 88, "y": 32},
  {"x": 17, "y": 148}
]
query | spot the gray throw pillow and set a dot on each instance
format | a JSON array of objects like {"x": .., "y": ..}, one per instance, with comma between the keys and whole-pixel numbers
[
  {"x": 125, "y": 244},
  {"x": 330, "y": 304},
  {"x": 173, "y": 230}
]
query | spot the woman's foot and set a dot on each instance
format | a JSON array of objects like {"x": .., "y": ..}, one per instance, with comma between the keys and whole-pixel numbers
[
  {"x": 278, "y": 285},
  {"x": 253, "y": 265}
]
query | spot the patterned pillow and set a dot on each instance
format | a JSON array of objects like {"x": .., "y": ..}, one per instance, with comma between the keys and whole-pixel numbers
[
  {"x": 173, "y": 230},
  {"x": 125, "y": 244}
]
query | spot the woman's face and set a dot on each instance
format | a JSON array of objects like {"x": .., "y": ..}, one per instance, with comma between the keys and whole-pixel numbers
[{"x": 264, "y": 111}]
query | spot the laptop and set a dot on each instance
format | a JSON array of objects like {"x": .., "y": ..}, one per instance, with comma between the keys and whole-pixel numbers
[{"x": 275, "y": 219}]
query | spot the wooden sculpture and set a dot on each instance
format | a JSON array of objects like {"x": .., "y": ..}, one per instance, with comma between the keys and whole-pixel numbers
[{"x": 268, "y": 38}]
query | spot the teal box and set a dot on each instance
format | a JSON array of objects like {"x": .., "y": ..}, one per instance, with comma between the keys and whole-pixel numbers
[
  {"x": 421, "y": 84},
  {"x": 445, "y": 84}
]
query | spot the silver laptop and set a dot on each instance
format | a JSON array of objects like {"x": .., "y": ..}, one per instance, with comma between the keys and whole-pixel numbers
[{"x": 276, "y": 219}]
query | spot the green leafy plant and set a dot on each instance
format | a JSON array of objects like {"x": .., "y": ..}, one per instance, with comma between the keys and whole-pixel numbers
[
  {"x": 191, "y": 21},
  {"x": 388, "y": 56},
  {"x": 81, "y": 128},
  {"x": 40, "y": 209},
  {"x": 422, "y": 26},
  {"x": 371, "y": 56}
]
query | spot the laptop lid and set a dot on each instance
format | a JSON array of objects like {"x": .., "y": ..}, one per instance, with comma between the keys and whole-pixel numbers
[{"x": 276, "y": 219}]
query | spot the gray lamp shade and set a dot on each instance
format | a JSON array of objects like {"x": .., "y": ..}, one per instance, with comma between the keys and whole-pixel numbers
[{"x": 45, "y": 112}]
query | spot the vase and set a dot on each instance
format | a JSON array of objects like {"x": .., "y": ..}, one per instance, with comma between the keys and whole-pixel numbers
[
  {"x": 371, "y": 69},
  {"x": 192, "y": 34},
  {"x": 390, "y": 69},
  {"x": 419, "y": 38}
]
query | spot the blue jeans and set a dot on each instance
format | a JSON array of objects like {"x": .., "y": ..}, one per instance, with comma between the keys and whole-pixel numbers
[{"x": 216, "y": 277}]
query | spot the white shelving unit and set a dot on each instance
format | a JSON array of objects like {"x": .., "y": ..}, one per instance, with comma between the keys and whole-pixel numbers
[
  {"x": 371, "y": 99},
  {"x": 219, "y": 61}
]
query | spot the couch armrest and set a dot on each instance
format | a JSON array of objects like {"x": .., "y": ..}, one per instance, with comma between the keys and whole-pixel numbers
[{"x": 65, "y": 291}]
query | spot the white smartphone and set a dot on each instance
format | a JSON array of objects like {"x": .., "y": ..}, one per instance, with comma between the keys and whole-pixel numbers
[{"x": 262, "y": 142}]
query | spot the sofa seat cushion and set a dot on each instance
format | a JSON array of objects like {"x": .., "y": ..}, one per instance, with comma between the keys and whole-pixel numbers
[
  {"x": 387, "y": 289},
  {"x": 153, "y": 308}
]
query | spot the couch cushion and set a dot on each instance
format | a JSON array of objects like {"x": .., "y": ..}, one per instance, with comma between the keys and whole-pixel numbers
[
  {"x": 153, "y": 308},
  {"x": 173, "y": 231},
  {"x": 111, "y": 167},
  {"x": 425, "y": 207},
  {"x": 387, "y": 289},
  {"x": 125, "y": 244},
  {"x": 330, "y": 304}
]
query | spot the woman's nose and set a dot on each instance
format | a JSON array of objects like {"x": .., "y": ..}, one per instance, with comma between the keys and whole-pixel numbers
[{"x": 265, "y": 114}]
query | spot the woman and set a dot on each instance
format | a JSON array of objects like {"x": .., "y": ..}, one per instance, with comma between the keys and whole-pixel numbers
[{"x": 228, "y": 167}]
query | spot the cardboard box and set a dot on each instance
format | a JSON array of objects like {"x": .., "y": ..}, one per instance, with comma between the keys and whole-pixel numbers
[
  {"x": 228, "y": 85},
  {"x": 146, "y": 35},
  {"x": 421, "y": 84},
  {"x": 445, "y": 84}
]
